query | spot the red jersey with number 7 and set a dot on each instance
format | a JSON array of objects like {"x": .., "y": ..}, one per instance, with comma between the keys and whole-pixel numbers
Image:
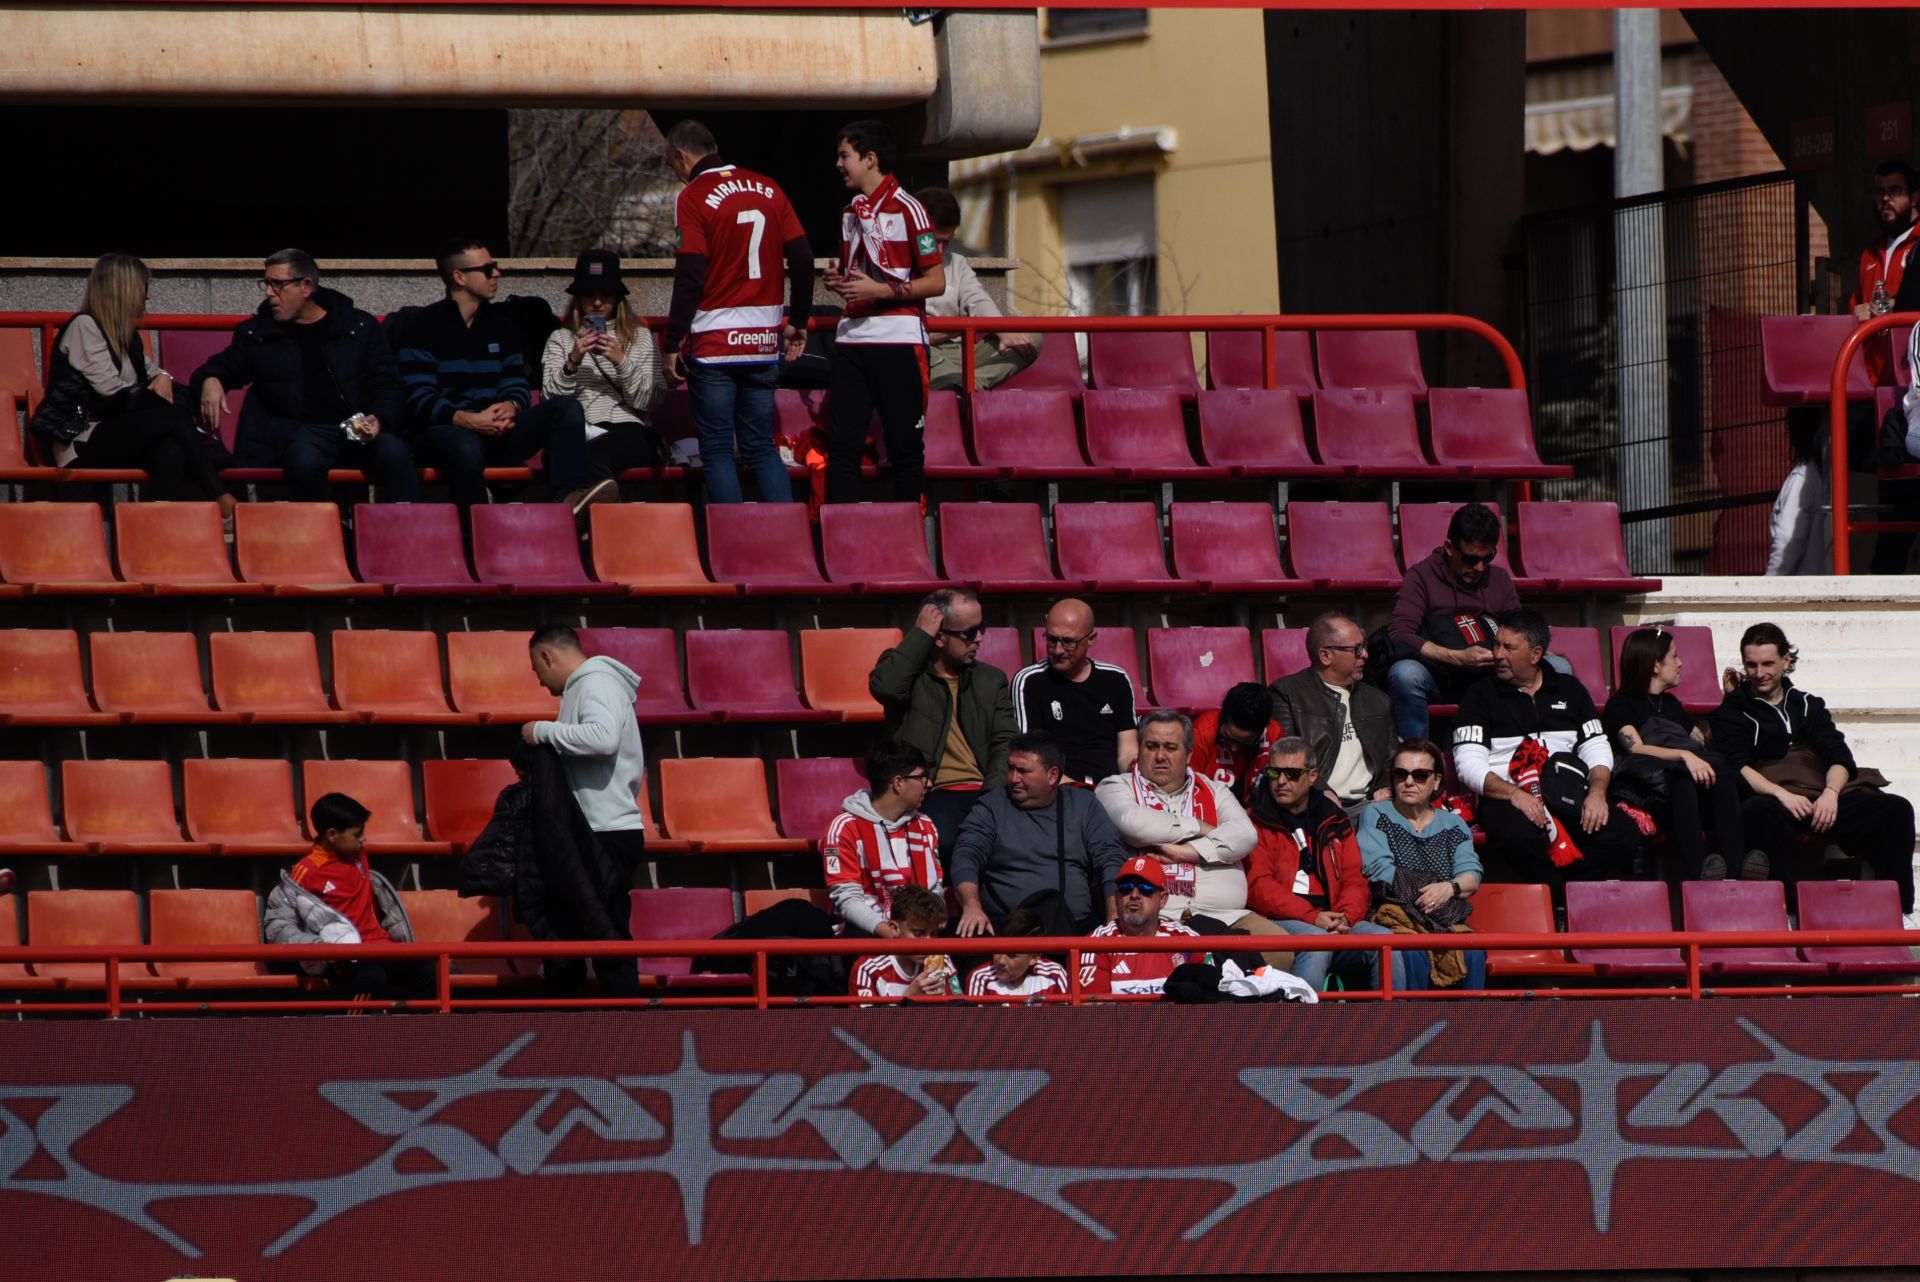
[{"x": 741, "y": 222}]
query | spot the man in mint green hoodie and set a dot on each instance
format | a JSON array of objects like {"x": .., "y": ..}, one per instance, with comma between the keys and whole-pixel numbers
[{"x": 598, "y": 740}]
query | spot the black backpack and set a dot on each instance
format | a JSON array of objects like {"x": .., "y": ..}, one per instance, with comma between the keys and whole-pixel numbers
[{"x": 63, "y": 411}]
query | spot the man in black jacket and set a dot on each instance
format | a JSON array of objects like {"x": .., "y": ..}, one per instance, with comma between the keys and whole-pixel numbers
[
  {"x": 1347, "y": 723},
  {"x": 325, "y": 390}
]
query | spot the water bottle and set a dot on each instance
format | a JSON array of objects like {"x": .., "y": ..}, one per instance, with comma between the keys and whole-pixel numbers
[{"x": 1882, "y": 303}]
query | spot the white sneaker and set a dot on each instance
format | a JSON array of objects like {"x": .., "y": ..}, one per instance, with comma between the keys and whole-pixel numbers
[{"x": 1911, "y": 921}]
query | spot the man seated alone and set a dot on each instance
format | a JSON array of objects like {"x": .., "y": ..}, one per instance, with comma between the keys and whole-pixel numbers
[
  {"x": 880, "y": 841},
  {"x": 916, "y": 913},
  {"x": 1141, "y": 898},
  {"x": 1012, "y": 974},
  {"x": 1080, "y": 703},
  {"x": 1348, "y": 724},
  {"x": 1230, "y": 746},
  {"x": 996, "y": 357},
  {"x": 1530, "y": 743}
]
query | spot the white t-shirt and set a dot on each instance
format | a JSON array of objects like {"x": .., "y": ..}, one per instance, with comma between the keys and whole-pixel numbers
[{"x": 1349, "y": 777}]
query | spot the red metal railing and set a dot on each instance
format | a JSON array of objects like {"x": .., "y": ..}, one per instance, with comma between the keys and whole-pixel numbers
[
  {"x": 115, "y": 990},
  {"x": 1843, "y": 523}
]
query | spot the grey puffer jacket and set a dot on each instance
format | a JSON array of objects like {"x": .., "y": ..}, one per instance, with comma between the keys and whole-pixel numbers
[{"x": 297, "y": 916}]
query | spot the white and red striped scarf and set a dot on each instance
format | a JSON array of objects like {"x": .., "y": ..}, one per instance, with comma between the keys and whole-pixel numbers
[
  {"x": 879, "y": 251},
  {"x": 1198, "y": 800}
]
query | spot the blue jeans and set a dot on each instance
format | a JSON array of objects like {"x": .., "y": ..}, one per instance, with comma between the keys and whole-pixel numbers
[
  {"x": 733, "y": 404},
  {"x": 1419, "y": 970},
  {"x": 1313, "y": 964},
  {"x": 1411, "y": 686},
  {"x": 556, "y": 425},
  {"x": 316, "y": 447}
]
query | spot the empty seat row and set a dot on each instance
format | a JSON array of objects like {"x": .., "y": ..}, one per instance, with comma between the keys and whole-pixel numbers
[{"x": 650, "y": 549}]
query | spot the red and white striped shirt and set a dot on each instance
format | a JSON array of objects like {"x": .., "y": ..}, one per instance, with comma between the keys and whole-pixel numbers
[
  {"x": 885, "y": 979},
  {"x": 1134, "y": 972},
  {"x": 1042, "y": 977},
  {"x": 741, "y": 221},
  {"x": 859, "y": 852},
  {"x": 886, "y": 237}
]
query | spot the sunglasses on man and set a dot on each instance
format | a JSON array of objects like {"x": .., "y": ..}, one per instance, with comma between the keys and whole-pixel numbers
[
  {"x": 488, "y": 269},
  {"x": 973, "y": 633},
  {"x": 1292, "y": 774},
  {"x": 1134, "y": 887}
]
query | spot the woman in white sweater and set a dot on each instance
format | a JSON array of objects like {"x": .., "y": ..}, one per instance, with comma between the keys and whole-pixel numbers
[{"x": 604, "y": 358}]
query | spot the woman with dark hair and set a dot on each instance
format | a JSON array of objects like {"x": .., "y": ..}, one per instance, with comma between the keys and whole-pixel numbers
[
  {"x": 1663, "y": 763},
  {"x": 1423, "y": 868},
  {"x": 1798, "y": 773}
]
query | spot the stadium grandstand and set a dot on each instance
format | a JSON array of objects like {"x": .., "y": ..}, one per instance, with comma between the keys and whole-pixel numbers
[{"x": 611, "y": 613}]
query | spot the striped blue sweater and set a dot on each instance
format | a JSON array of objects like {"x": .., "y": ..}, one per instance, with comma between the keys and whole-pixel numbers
[{"x": 449, "y": 365}]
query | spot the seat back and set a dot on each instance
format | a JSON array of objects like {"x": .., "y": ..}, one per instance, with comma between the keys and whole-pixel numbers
[
  {"x": 1341, "y": 542},
  {"x": 1283, "y": 652},
  {"x": 1733, "y": 905},
  {"x": 680, "y": 912},
  {"x": 1617, "y": 907},
  {"x": 1849, "y": 905},
  {"x": 1000, "y": 648},
  {"x": 811, "y": 790},
  {"x": 740, "y": 670},
  {"x": 1572, "y": 541},
  {"x": 40, "y": 672},
  {"x": 1225, "y": 541},
  {"x": 646, "y": 545},
  {"x": 1137, "y": 428},
  {"x": 761, "y": 900},
  {"x": 835, "y": 663},
  {"x": 460, "y": 795},
  {"x": 171, "y": 543},
  {"x": 526, "y": 545},
  {"x": 1367, "y": 427},
  {"x": 383, "y": 787},
  {"x": 19, "y": 369},
  {"x": 395, "y": 673},
  {"x": 184, "y": 351},
  {"x": 1056, "y": 368},
  {"x": 489, "y": 672},
  {"x": 26, "y": 813},
  {"x": 651, "y": 653},
  {"x": 1797, "y": 355},
  {"x": 1253, "y": 429},
  {"x": 444, "y": 917},
  {"x": 768, "y": 543},
  {"x": 236, "y": 802},
  {"x": 266, "y": 673},
  {"x": 1004, "y": 542},
  {"x": 1233, "y": 360},
  {"x": 1029, "y": 429},
  {"x": 1377, "y": 358},
  {"x": 1699, "y": 688},
  {"x": 290, "y": 544},
  {"x": 204, "y": 919},
  {"x": 1481, "y": 427},
  {"x": 148, "y": 674},
  {"x": 874, "y": 543},
  {"x": 942, "y": 440},
  {"x": 53, "y": 543},
  {"x": 1192, "y": 668},
  {"x": 118, "y": 801},
  {"x": 82, "y": 919},
  {"x": 1581, "y": 648},
  {"x": 399, "y": 543},
  {"x": 715, "y": 799},
  {"x": 1143, "y": 360},
  {"x": 1110, "y": 541},
  {"x": 1516, "y": 908},
  {"x": 1423, "y": 527},
  {"x": 1117, "y": 646}
]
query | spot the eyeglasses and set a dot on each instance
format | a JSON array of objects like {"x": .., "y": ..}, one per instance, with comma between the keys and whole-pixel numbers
[
  {"x": 1418, "y": 776},
  {"x": 1135, "y": 888},
  {"x": 918, "y": 776},
  {"x": 488, "y": 269},
  {"x": 1292, "y": 774},
  {"x": 973, "y": 633},
  {"x": 272, "y": 286},
  {"x": 1067, "y": 643},
  {"x": 1355, "y": 650}
]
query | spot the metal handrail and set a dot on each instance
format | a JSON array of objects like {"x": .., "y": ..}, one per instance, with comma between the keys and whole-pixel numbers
[{"x": 1843, "y": 524}]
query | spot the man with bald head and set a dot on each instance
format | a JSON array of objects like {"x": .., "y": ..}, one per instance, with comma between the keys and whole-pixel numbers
[
  {"x": 1075, "y": 700},
  {"x": 1347, "y": 723}
]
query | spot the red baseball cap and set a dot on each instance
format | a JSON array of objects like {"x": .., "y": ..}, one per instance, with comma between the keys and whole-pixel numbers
[{"x": 1147, "y": 870}]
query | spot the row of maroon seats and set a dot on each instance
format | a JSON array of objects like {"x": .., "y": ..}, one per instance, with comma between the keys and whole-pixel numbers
[
  {"x": 650, "y": 549},
  {"x": 732, "y": 675}
]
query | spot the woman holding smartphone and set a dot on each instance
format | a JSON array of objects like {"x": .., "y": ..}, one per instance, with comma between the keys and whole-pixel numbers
[{"x": 608, "y": 361}]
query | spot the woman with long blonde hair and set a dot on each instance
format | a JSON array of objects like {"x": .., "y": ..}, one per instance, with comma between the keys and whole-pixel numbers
[
  {"x": 607, "y": 360},
  {"x": 132, "y": 418}
]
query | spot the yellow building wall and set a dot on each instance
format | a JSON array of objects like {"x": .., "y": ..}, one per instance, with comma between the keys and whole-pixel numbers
[{"x": 1202, "y": 73}]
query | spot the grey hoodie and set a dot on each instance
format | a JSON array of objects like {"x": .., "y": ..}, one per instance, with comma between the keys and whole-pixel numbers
[{"x": 599, "y": 740}]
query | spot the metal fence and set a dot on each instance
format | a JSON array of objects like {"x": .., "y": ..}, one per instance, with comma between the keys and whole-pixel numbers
[{"x": 1642, "y": 346}]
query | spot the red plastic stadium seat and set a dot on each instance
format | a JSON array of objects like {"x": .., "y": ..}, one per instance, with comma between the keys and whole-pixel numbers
[
  {"x": 176, "y": 549},
  {"x": 1283, "y": 652},
  {"x": 1117, "y": 646},
  {"x": 1233, "y": 360},
  {"x": 767, "y": 549},
  {"x": 151, "y": 677},
  {"x": 122, "y": 808},
  {"x": 444, "y": 917},
  {"x": 1000, "y": 647},
  {"x": 242, "y": 806},
  {"x": 414, "y": 549},
  {"x": 26, "y": 815},
  {"x": 1112, "y": 547},
  {"x": 1743, "y": 905},
  {"x": 649, "y": 548},
  {"x": 834, "y": 663},
  {"x": 1486, "y": 432},
  {"x": 877, "y": 547},
  {"x": 490, "y": 675},
  {"x": 460, "y": 796},
  {"x": 680, "y": 912},
  {"x": 756, "y": 901},
  {"x": 1622, "y": 907},
  {"x": 210, "y": 919},
  {"x": 945, "y": 444},
  {"x": 1699, "y": 688},
  {"x": 650, "y": 652},
  {"x": 1030, "y": 435},
  {"x": 1423, "y": 529},
  {"x": 1796, "y": 360},
  {"x": 268, "y": 677},
  {"x": 531, "y": 548},
  {"x": 40, "y": 681},
  {"x": 1378, "y": 358},
  {"x": 1371, "y": 432},
  {"x": 1192, "y": 668},
  {"x": 739, "y": 674},
  {"x": 1230, "y": 547},
  {"x": 1257, "y": 433},
  {"x": 656, "y": 844},
  {"x": 1853, "y": 905},
  {"x": 19, "y": 367},
  {"x": 86, "y": 919},
  {"x": 998, "y": 547},
  {"x": 721, "y": 804},
  {"x": 55, "y": 548},
  {"x": 14, "y": 976},
  {"x": 1521, "y": 909},
  {"x": 811, "y": 790},
  {"x": 1581, "y": 648},
  {"x": 1143, "y": 360},
  {"x": 391, "y": 677},
  {"x": 1347, "y": 546},
  {"x": 16, "y": 466},
  {"x": 1577, "y": 546},
  {"x": 1057, "y": 368},
  {"x": 1142, "y": 435},
  {"x": 295, "y": 549},
  {"x": 383, "y": 787}
]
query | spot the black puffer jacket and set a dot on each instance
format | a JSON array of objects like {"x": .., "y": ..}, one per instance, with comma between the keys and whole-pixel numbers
[
  {"x": 573, "y": 887},
  {"x": 265, "y": 361}
]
